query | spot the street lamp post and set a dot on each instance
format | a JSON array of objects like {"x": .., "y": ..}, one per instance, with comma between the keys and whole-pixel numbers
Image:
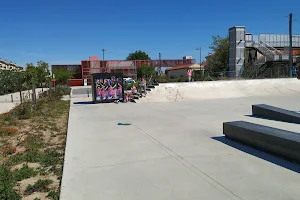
[
  {"x": 199, "y": 49},
  {"x": 103, "y": 50}
]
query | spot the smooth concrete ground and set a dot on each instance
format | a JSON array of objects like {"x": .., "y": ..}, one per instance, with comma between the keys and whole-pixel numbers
[{"x": 173, "y": 150}]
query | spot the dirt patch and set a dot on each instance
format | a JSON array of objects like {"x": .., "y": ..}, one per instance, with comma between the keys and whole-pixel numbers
[
  {"x": 31, "y": 165},
  {"x": 38, "y": 195}
]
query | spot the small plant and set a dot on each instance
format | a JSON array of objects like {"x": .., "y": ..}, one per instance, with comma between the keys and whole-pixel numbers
[
  {"x": 10, "y": 150},
  {"x": 54, "y": 195},
  {"x": 6, "y": 131},
  {"x": 7, "y": 190},
  {"x": 23, "y": 111},
  {"x": 30, "y": 156},
  {"x": 5, "y": 117},
  {"x": 38, "y": 186},
  {"x": 33, "y": 143},
  {"x": 24, "y": 173}
]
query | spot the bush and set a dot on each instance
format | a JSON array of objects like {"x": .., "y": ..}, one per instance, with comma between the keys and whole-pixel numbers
[{"x": 23, "y": 111}]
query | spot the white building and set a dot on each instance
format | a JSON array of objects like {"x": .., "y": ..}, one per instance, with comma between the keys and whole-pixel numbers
[
  {"x": 181, "y": 71},
  {"x": 5, "y": 65}
]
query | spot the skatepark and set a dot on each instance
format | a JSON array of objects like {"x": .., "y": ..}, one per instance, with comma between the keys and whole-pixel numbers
[{"x": 175, "y": 147}]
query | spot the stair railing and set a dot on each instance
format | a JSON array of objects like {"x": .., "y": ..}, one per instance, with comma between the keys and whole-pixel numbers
[{"x": 274, "y": 50}]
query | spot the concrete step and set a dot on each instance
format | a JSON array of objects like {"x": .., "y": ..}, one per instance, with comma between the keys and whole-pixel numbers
[
  {"x": 275, "y": 113},
  {"x": 279, "y": 142}
]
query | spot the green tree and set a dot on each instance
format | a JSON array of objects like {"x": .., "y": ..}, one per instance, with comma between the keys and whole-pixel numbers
[
  {"x": 138, "y": 55},
  {"x": 31, "y": 76},
  {"x": 145, "y": 70},
  {"x": 62, "y": 76},
  {"x": 42, "y": 72},
  {"x": 220, "y": 60}
]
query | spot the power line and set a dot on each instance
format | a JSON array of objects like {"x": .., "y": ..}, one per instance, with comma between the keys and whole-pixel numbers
[{"x": 296, "y": 20}]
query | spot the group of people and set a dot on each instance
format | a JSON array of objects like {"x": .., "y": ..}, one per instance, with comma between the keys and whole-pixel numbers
[
  {"x": 109, "y": 88},
  {"x": 134, "y": 90}
]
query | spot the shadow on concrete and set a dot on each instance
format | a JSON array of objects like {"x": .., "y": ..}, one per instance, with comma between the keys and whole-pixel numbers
[
  {"x": 84, "y": 102},
  {"x": 260, "y": 154},
  {"x": 270, "y": 119}
]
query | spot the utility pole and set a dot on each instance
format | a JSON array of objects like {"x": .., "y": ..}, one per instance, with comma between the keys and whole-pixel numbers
[
  {"x": 291, "y": 45},
  {"x": 199, "y": 49}
]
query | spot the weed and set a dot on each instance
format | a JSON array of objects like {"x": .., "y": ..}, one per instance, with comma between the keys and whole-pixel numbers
[
  {"x": 50, "y": 157},
  {"x": 24, "y": 173},
  {"x": 10, "y": 150},
  {"x": 54, "y": 195},
  {"x": 33, "y": 143},
  {"x": 7, "y": 190},
  {"x": 38, "y": 186},
  {"x": 6, "y": 131},
  {"x": 42, "y": 171},
  {"x": 37, "y": 198},
  {"x": 31, "y": 156},
  {"x": 47, "y": 158}
]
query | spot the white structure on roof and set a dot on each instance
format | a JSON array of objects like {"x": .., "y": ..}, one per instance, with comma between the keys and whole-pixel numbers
[{"x": 187, "y": 57}]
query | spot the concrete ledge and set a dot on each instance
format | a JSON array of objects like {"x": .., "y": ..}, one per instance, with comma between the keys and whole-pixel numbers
[
  {"x": 274, "y": 113},
  {"x": 279, "y": 142}
]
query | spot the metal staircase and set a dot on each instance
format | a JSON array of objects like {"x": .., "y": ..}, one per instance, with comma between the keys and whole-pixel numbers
[{"x": 269, "y": 53}]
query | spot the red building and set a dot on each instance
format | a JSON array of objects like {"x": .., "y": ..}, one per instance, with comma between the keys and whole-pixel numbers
[{"x": 128, "y": 68}]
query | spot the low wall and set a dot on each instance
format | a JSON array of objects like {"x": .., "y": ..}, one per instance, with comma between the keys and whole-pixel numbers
[
  {"x": 6, "y": 103},
  {"x": 222, "y": 89}
]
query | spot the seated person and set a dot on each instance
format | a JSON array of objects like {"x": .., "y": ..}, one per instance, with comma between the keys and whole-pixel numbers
[{"x": 133, "y": 89}]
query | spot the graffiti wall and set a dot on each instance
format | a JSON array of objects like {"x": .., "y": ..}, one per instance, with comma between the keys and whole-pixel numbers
[{"x": 107, "y": 87}]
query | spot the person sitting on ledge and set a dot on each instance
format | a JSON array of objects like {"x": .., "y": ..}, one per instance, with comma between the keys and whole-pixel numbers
[{"x": 133, "y": 89}]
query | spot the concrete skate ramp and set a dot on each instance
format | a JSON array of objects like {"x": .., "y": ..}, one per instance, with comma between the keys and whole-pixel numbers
[{"x": 167, "y": 92}]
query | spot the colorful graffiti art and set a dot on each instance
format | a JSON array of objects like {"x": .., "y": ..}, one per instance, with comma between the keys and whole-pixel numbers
[{"x": 107, "y": 87}]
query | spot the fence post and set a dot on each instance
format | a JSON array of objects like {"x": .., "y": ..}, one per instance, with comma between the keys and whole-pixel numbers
[
  {"x": 88, "y": 93},
  {"x": 12, "y": 98}
]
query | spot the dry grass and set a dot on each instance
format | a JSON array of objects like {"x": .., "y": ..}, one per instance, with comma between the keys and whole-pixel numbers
[{"x": 38, "y": 151}]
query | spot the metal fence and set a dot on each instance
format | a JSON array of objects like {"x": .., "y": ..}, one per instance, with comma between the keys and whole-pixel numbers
[{"x": 260, "y": 73}]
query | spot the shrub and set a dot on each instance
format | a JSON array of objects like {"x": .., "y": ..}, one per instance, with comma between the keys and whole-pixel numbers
[{"x": 22, "y": 111}]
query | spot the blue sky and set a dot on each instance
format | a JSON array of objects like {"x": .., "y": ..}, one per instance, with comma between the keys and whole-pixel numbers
[{"x": 65, "y": 31}]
